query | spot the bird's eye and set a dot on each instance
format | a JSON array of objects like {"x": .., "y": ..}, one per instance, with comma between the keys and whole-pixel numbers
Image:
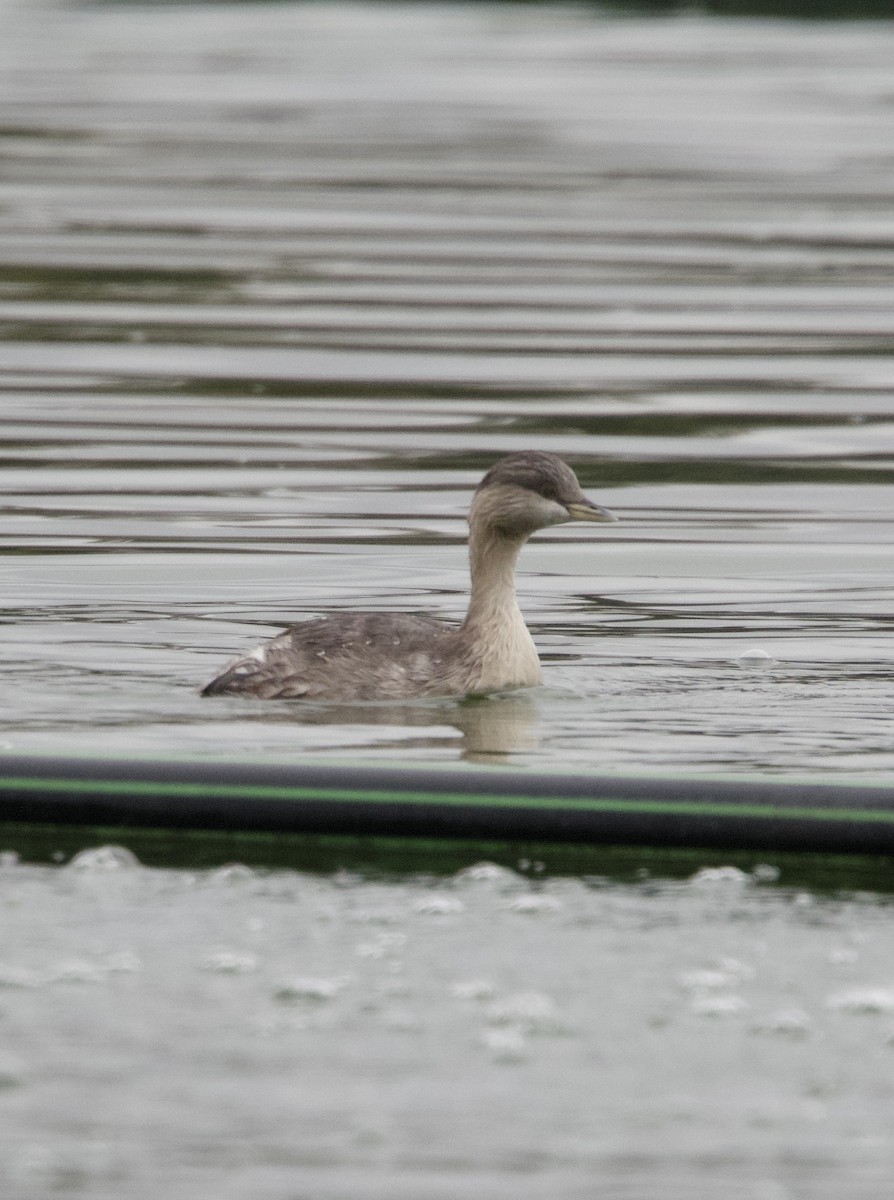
[{"x": 548, "y": 491}]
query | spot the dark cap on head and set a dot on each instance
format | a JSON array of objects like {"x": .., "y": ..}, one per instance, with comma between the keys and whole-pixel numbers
[{"x": 540, "y": 472}]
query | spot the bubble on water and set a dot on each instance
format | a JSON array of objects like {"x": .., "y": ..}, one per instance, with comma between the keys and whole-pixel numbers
[
  {"x": 531, "y": 1012},
  {"x": 473, "y": 989},
  {"x": 490, "y": 875},
  {"x": 311, "y": 990},
  {"x": 521, "y": 1006},
  {"x": 726, "y": 972},
  {"x": 765, "y": 873},
  {"x": 720, "y": 877},
  {"x": 229, "y": 962},
  {"x": 788, "y": 1022},
  {"x": 384, "y": 945},
  {"x": 532, "y": 866},
  {"x": 704, "y": 980},
  {"x": 231, "y": 875},
  {"x": 66, "y": 971},
  {"x": 438, "y": 906},
  {"x": 862, "y": 1000},
  {"x": 506, "y": 1045},
  {"x": 726, "y": 1004},
  {"x": 376, "y": 916},
  {"x": 735, "y": 967},
  {"x": 104, "y": 858},
  {"x": 534, "y": 904},
  {"x": 755, "y": 659},
  {"x": 343, "y": 878}
]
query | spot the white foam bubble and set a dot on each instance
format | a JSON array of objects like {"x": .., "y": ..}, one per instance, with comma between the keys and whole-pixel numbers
[
  {"x": 438, "y": 906},
  {"x": 229, "y": 962},
  {"x": 384, "y": 945},
  {"x": 311, "y": 990},
  {"x": 720, "y": 876},
  {"x": 104, "y": 858},
  {"x": 488, "y": 874},
  {"x": 531, "y": 1012},
  {"x": 725, "y": 1004},
  {"x": 723, "y": 974},
  {"x": 755, "y": 660},
  {"x": 506, "y": 1045},
  {"x": 534, "y": 904},
  {"x": 864, "y": 1000},
  {"x": 473, "y": 989},
  {"x": 787, "y": 1022},
  {"x": 231, "y": 874}
]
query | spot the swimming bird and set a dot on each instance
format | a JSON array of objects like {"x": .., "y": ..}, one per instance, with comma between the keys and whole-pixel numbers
[{"x": 392, "y": 656}]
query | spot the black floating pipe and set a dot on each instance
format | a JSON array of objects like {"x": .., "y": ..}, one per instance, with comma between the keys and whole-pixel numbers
[{"x": 457, "y": 803}]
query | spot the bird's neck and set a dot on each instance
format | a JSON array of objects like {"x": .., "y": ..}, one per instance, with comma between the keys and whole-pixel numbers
[
  {"x": 492, "y": 559},
  {"x": 494, "y": 622}
]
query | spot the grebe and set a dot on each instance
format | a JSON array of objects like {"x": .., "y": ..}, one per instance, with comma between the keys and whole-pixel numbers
[{"x": 392, "y": 656}]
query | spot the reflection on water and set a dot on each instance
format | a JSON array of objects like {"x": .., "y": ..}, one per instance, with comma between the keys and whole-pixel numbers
[{"x": 478, "y": 729}]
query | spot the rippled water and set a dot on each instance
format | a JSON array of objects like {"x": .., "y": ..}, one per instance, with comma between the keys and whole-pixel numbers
[{"x": 277, "y": 284}]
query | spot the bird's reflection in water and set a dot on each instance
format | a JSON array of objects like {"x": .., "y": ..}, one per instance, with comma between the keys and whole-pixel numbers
[{"x": 489, "y": 726}]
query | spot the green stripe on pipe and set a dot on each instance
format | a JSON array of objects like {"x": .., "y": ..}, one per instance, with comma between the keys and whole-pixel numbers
[{"x": 462, "y": 799}]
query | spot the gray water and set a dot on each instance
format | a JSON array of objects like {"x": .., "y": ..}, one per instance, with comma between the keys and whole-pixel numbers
[
  {"x": 280, "y": 281},
  {"x": 277, "y": 284}
]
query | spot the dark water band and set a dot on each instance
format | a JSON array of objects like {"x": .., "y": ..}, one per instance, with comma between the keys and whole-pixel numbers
[{"x": 459, "y": 803}]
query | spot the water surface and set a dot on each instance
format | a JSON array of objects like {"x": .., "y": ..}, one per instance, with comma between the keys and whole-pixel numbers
[{"x": 277, "y": 284}]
